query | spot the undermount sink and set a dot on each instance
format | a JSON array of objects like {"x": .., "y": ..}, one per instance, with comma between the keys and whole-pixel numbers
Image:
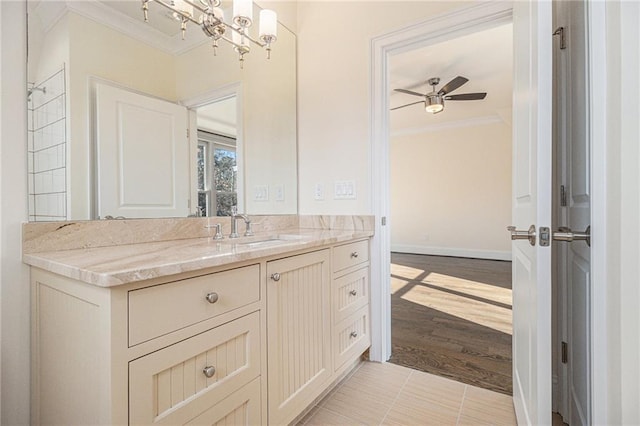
[{"x": 270, "y": 240}]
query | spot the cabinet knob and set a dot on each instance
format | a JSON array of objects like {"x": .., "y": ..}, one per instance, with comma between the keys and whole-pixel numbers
[
  {"x": 212, "y": 297},
  {"x": 275, "y": 277},
  {"x": 209, "y": 371},
  {"x": 353, "y": 292},
  {"x": 354, "y": 334},
  {"x": 354, "y": 254}
]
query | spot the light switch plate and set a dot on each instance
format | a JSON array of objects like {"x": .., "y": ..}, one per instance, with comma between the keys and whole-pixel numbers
[
  {"x": 344, "y": 190},
  {"x": 261, "y": 193}
]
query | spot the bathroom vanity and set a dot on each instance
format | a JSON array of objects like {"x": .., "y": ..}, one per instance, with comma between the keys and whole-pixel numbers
[{"x": 195, "y": 331}]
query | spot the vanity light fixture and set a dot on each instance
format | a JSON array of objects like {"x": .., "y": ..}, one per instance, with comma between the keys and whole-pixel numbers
[{"x": 211, "y": 20}]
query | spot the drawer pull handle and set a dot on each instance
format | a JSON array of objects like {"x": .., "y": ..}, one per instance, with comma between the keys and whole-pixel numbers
[
  {"x": 354, "y": 254},
  {"x": 209, "y": 371},
  {"x": 353, "y": 293},
  {"x": 275, "y": 277},
  {"x": 354, "y": 334},
  {"x": 212, "y": 297}
]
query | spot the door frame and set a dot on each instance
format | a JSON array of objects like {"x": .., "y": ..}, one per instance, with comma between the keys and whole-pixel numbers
[
  {"x": 440, "y": 28},
  {"x": 597, "y": 80},
  {"x": 444, "y": 27},
  {"x": 210, "y": 96}
]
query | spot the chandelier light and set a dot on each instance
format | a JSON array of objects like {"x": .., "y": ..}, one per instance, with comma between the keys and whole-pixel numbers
[{"x": 210, "y": 17}]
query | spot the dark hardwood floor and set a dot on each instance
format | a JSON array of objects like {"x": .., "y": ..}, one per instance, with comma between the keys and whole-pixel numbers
[{"x": 452, "y": 317}]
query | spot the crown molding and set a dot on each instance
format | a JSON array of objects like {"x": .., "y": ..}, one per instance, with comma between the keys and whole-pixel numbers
[
  {"x": 51, "y": 12},
  {"x": 432, "y": 128}
]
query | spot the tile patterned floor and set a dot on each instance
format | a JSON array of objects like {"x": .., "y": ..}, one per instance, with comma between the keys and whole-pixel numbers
[{"x": 389, "y": 394}]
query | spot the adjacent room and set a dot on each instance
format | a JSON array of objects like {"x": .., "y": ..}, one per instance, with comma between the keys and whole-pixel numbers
[{"x": 450, "y": 173}]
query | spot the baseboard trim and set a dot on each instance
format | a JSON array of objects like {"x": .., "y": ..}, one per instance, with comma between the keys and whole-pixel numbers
[{"x": 452, "y": 251}]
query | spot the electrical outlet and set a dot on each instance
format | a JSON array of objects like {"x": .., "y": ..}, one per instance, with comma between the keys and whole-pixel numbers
[
  {"x": 279, "y": 192},
  {"x": 318, "y": 192}
]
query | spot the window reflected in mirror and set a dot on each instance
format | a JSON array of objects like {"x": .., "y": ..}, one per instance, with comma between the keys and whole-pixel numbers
[{"x": 217, "y": 174}]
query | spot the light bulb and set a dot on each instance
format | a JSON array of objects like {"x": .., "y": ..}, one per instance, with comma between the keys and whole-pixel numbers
[
  {"x": 243, "y": 12},
  {"x": 268, "y": 23}
]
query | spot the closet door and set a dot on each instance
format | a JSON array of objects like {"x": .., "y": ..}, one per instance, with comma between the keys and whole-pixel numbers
[{"x": 142, "y": 153}]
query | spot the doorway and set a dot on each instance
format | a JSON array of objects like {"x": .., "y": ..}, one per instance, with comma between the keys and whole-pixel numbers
[
  {"x": 450, "y": 191},
  {"x": 217, "y": 157}
]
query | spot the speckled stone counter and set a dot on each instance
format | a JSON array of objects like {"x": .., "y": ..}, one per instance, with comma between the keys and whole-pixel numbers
[{"x": 107, "y": 259}]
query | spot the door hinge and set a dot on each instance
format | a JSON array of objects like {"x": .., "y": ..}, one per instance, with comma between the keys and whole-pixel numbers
[
  {"x": 565, "y": 352},
  {"x": 563, "y": 196},
  {"x": 563, "y": 40},
  {"x": 384, "y": 221},
  {"x": 187, "y": 133}
]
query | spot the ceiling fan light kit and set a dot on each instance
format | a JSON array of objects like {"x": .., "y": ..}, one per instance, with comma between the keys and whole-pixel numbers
[
  {"x": 433, "y": 103},
  {"x": 211, "y": 20},
  {"x": 434, "y": 100}
]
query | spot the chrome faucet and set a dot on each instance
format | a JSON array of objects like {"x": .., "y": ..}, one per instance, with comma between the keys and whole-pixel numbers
[{"x": 234, "y": 225}]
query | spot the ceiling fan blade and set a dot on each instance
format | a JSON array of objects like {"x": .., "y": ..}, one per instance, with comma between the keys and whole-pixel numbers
[
  {"x": 413, "y": 103},
  {"x": 409, "y": 92},
  {"x": 453, "y": 85},
  {"x": 465, "y": 97}
]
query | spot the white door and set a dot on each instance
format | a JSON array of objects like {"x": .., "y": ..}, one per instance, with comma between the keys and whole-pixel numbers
[
  {"x": 142, "y": 155},
  {"x": 574, "y": 175},
  {"x": 532, "y": 206}
]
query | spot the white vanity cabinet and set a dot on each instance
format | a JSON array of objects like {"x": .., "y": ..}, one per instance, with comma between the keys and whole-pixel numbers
[
  {"x": 350, "y": 302},
  {"x": 298, "y": 333},
  {"x": 186, "y": 351},
  {"x": 248, "y": 343}
]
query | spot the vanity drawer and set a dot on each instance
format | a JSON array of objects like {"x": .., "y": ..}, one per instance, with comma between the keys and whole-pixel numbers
[
  {"x": 351, "y": 337},
  {"x": 350, "y": 293},
  {"x": 241, "y": 408},
  {"x": 350, "y": 254},
  {"x": 170, "y": 386},
  {"x": 158, "y": 310}
]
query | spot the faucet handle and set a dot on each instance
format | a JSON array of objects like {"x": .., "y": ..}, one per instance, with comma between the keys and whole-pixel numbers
[
  {"x": 218, "y": 235},
  {"x": 248, "y": 231}
]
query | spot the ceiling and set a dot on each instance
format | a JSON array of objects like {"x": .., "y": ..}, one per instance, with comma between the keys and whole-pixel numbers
[{"x": 485, "y": 58}]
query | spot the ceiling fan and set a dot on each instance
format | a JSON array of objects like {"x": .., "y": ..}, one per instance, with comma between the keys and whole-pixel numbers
[{"x": 434, "y": 100}]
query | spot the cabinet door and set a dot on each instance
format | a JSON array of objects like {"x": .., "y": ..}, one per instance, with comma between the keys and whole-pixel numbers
[
  {"x": 298, "y": 331},
  {"x": 241, "y": 408},
  {"x": 170, "y": 386}
]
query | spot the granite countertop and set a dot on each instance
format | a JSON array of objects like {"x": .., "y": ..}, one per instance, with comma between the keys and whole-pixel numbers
[{"x": 121, "y": 264}]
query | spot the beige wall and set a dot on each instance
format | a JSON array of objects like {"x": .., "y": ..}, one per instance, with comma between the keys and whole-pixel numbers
[
  {"x": 14, "y": 275},
  {"x": 451, "y": 192},
  {"x": 334, "y": 93}
]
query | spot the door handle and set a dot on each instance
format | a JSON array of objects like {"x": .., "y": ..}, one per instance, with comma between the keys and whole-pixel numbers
[
  {"x": 566, "y": 234},
  {"x": 529, "y": 234}
]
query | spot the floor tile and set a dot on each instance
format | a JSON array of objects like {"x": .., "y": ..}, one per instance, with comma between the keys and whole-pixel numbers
[
  {"x": 436, "y": 389},
  {"x": 491, "y": 407},
  {"x": 382, "y": 393},
  {"x": 329, "y": 418}
]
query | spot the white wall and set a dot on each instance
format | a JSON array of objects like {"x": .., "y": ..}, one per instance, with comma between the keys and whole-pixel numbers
[
  {"x": 622, "y": 290},
  {"x": 451, "y": 192},
  {"x": 334, "y": 93},
  {"x": 14, "y": 284}
]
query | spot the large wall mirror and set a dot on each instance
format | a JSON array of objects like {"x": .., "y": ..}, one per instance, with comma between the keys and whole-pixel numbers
[{"x": 127, "y": 119}]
